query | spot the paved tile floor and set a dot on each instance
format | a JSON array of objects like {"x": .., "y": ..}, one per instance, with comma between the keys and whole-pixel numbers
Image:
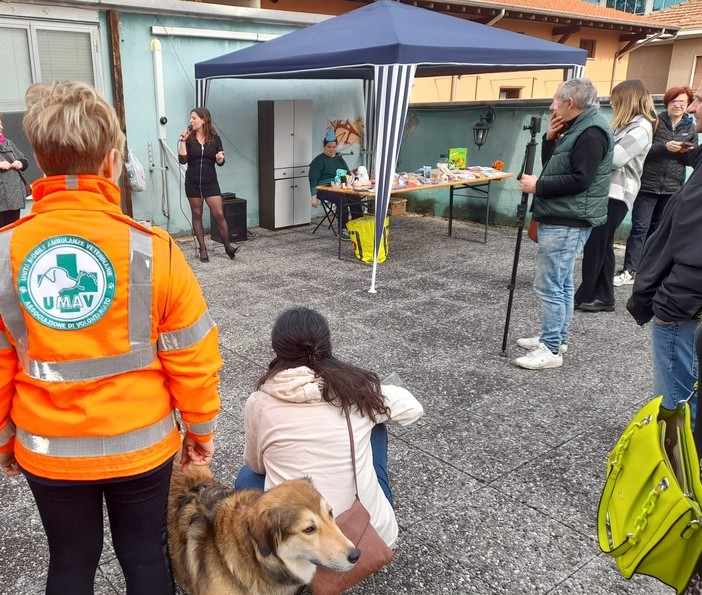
[{"x": 497, "y": 485}]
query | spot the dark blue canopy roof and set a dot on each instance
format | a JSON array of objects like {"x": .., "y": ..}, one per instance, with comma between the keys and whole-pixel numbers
[{"x": 387, "y": 32}]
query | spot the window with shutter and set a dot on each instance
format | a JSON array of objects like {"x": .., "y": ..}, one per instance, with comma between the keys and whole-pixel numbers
[
  {"x": 65, "y": 56},
  {"x": 16, "y": 67},
  {"x": 34, "y": 52}
]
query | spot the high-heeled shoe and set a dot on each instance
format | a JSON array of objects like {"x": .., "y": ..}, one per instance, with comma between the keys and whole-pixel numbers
[
  {"x": 203, "y": 255},
  {"x": 231, "y": 251}
]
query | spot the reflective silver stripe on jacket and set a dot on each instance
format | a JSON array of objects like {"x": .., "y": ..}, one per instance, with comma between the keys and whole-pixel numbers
[
  {"x": 98, "y": 446},
  {"x": 187, "y": 336},
  {"x": 141, "y": 353},
  {"x": 202, "y": 429},
  {"x": 7, "y": 433},
  {"x": 87, "y": 369},
  {"x": 140, "y": 284},
  {"x": 4, "y": 341},
  {"x": 10, "y": 308}
]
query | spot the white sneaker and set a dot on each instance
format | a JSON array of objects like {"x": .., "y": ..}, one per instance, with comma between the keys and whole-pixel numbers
[
  {"x": 624, "y": 278},
  {"x": 531, "y": 343},
  {"x": 540, "y": 359}
]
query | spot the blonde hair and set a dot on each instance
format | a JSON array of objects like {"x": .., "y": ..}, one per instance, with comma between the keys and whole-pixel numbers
[
  {"x": 71, "y": 127},
  {"x": 630, "y": 99}
]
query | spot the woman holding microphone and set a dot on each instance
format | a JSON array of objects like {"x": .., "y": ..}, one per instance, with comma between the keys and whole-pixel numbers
[{"x": 201, "y": 148}]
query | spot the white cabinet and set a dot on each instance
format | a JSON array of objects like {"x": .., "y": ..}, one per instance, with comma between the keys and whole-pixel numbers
[
  {"x": 292, "y": 200},
  {"x": 284, "y": 154}
]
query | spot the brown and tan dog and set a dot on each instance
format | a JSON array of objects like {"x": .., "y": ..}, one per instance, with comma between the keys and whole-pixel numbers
[{"x": 229, "y": 542}]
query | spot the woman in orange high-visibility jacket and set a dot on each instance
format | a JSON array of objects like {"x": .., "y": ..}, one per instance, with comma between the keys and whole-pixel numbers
[{"x": 104, "y": 333}]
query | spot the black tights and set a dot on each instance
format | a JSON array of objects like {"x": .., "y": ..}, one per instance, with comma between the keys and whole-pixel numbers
[
  {"x": 217, "y": 210},
  {"x": 72, "y": 515}
]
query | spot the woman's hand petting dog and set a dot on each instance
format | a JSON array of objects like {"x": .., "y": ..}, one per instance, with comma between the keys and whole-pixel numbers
[{"x": 196, "y": 453}]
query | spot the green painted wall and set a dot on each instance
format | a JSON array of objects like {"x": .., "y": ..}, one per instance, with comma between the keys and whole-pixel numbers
[{"x": 430, "y": 131}]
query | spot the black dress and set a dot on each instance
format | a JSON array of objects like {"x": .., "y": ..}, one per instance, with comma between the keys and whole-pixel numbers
[{"x": 200, "y": 177}]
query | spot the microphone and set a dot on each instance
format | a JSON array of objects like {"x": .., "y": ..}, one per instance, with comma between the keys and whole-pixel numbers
[{"x": 190, "y": 127}]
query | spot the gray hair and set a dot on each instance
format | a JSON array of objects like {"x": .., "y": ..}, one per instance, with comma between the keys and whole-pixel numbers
[{"x": 581, "y": 91}]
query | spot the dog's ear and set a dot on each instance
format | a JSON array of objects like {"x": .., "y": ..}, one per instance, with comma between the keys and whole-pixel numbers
[{"x": 262, "y": 527}]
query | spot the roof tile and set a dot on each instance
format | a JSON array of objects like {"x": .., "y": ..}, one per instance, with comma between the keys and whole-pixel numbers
[
  {"x": 687, "y": 15},
  {"x": 574, "y": 8}
]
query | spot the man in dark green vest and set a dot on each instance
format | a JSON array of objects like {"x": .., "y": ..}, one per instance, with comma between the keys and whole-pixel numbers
[{"x": 570, "y": 198}]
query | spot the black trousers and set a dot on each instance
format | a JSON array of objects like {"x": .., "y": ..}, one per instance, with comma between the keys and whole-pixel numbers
[
  {"x": 598, "y": 258},
  {"x": 352, "y": 204},
  {"x": 72, "y": 515},
  {"x": 7, "y": 217},
  {"x": 645, "y": 217}
]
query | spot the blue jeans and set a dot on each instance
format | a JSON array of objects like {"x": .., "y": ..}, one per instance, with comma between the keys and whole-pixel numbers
[
  {"x": 246, "y": 478},
  {"x": 675, "y": 361},
  {"x": 559, "y": 246}
]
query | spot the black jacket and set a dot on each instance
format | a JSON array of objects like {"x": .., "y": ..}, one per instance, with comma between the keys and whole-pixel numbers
[
  {"x": 663, "y": 171},
  {"x": 668, "y": 281}
]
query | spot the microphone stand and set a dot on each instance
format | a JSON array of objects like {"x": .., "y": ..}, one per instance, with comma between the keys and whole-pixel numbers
[{"x": 527, "y": 168}]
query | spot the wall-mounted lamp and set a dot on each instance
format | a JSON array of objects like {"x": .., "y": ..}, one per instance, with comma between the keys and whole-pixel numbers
[{"x": 481, "y": 129}]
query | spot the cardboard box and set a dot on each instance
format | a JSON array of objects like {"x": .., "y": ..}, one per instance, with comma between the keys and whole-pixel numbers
[{"x": 398, "y": 206}]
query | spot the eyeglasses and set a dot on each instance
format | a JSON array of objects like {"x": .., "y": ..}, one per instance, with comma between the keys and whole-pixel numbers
[{"x": 682, "y": 102}]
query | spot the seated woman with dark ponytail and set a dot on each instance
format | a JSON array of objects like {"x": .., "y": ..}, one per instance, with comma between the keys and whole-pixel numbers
[{"x": 295, "y": 423}]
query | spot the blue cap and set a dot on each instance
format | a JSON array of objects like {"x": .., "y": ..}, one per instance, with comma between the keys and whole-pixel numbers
[{"x": 330, "y": 136}]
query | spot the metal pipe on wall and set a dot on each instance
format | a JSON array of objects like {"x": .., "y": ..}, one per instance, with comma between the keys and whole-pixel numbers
[{"x": 162, "y": 120}]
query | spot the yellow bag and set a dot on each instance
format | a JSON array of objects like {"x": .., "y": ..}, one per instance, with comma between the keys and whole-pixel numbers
[
  {"x": 649, "y": 517},
  {"x": 362, "y": 233}
]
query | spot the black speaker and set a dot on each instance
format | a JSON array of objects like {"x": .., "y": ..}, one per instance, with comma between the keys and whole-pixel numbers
[{"x": 235, "y": 214}]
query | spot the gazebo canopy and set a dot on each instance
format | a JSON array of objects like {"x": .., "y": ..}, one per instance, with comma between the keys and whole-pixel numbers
[
  {"x": 387, "y": 44},
  {"x": 386, "y": 33}
]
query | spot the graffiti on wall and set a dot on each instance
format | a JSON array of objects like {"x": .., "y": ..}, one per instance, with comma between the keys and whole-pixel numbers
[{"x": 348, "y": 132}]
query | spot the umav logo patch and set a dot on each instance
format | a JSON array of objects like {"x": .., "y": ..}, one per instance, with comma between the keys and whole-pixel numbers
[{"x": 66, "y": 283}]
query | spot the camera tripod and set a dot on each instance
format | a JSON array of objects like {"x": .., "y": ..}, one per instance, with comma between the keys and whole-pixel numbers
[{"x": 527, "y": 168}]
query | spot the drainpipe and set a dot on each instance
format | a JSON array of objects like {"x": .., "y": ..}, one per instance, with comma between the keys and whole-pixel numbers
[
  {"x": 454, "y": 84},
  {"x": 630, "y": 48},
  {"x": 498, "y": 17}
]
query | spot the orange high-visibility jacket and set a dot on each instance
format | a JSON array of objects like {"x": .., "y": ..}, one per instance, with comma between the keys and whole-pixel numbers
[{"x": 104, "y": 332}]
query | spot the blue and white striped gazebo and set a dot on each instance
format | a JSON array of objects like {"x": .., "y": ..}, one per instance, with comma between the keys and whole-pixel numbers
[{"x": 386, "y": 44}]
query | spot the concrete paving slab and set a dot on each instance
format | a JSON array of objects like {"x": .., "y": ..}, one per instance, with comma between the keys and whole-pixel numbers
[
  {"x": 497, "y": 485},
  {"x": 523, "y": 552},
  {"x": 599, "y": 577}
]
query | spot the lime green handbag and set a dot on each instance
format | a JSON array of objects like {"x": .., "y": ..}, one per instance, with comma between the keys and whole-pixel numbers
[
  {"x": 649, "y": 517},
  {"x": 362, "y": 233}
]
